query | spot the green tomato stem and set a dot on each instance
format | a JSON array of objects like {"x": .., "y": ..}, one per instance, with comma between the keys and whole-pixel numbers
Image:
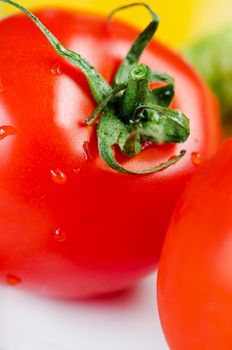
[
  {"x": 141, "y": 42},
  {"x": 130, "y": 112},
  {"x": 136, "y": 92}
]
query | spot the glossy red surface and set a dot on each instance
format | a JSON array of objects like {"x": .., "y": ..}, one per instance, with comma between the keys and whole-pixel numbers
[
  {"x": 194, "y": 279},
  {"x": 52, "y": 181}
]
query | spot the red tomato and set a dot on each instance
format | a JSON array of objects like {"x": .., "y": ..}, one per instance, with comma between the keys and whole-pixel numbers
[
  {"x": 70, "y": 225},
  {"x": 195, "y": 271}
]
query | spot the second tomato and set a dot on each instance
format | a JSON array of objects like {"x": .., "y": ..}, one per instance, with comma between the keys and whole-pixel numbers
[{"x": 195, "y": 271}]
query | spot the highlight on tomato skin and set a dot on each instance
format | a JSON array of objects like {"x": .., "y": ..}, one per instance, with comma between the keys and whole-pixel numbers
[
  {"x": 194, "y": 275},
  {"x": 71, "y": 226}
]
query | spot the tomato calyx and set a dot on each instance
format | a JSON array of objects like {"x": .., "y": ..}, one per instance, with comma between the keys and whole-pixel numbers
[{"x": 130, "y": 112}]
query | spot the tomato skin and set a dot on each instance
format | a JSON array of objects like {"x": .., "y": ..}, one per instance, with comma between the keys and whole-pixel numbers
[
  {"x": 70, "y": 225},
  {"x": 194, "y": 278}
]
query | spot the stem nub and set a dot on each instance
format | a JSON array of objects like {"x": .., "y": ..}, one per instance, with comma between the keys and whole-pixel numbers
[{"x": 136, "y": 91}]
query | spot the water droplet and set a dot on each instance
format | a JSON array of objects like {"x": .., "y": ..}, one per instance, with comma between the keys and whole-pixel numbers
[
  {"x": 1, "y": 86},
  {"x": 76, "y": 170},
  {"x": 146, "y": 144},
  {"x": 12, "y": 280},
  {"x": 58, "y": 176},
  {"x": 86, "y": 149},
  {"x": 196, "y": 158},
  {"x": 56, "y": 70},
  {"x": 6, "y": 130},
  {"x": 59, "y": 235}
]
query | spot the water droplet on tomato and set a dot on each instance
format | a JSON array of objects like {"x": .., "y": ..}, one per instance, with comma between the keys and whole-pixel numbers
[
  {"x": 76, "y": 170},
  {"x": 196, "y": 158},
  {"x": 56, "y": 70},
  {"x": 1, "y": 86},
  {"x": 12, "y": 280},
  {"x": 59, "y": 235},
  {"x": 58, "y": 176},
  {"x": 6, "y": 130},
  {"x": 146, "y": 144},
  {"x": 86, "y": 148}
]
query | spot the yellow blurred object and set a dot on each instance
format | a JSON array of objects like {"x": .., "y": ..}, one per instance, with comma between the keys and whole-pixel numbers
[
  {"x": 207, "y": 17},
  {"x": 181, "y": 21},
  {"x": 174, "y": 14}
]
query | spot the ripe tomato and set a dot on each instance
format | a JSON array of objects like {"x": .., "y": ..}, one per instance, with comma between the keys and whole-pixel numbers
[
  {"x": 195, "y": 271},
  {"x": 70, "y": 225}
]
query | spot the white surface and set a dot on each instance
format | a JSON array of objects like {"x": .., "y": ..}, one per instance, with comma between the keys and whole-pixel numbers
[{"x": 126, "y": 321}]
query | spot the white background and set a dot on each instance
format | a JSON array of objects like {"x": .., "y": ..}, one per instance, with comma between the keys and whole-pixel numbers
[{"x": 126, "y": 321}]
